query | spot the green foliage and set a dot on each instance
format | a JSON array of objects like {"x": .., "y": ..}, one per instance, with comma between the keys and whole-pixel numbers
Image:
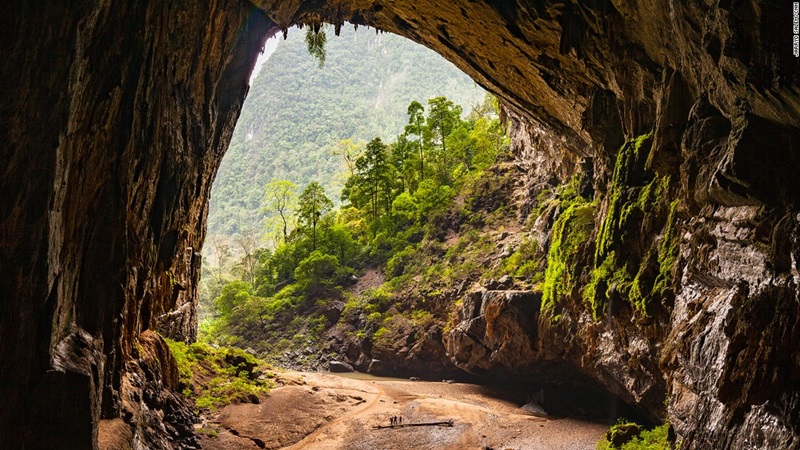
[
  {"x": 215, "y": 377},
  {"x": 315, "y": 43},
  {"x": 311, "y": 206},
  {"x": 295, "y": 115},
  {"x": 317, "y": 271},
  {"x": 372, "y": 184},
  {"x": 655, "y": 439},
  {"x": 279, "y": 198},
  {"x": 405, "y": 209},
  {"x": 233, "y": 296},
  {"x": 398, "y": 263},
  {"x": 525, "y": 261},
  {"x": 394, "y": 203},
  {"x": 184, "y": 359}
]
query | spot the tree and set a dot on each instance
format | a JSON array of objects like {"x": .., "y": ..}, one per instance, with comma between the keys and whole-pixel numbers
[
  {"x": 462, "y": 146},
  {"x": 221, "y": 251},
  {"x": 340, "y": 239},
  {"x": 402, "y": 158},
  {"x": 280, "y": 197},
  {"x": 416, "y": 122},
  {"x": 312, "y": 205},
  {"x": 350, "y": 152},
  {"x": 373, "y": 170},
  {"x": 248, "y": 243},
  {"x": 233, "y": 295},
  {"x": 443, "y": 117},
  {"x": 317, "y": 271}
]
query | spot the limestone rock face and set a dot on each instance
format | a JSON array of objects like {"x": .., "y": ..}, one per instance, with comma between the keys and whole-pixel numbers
[
  {"x": 115, "y": 116},
  {"x": 158, "y": 418},
  {"x": 497, "y": 331}
]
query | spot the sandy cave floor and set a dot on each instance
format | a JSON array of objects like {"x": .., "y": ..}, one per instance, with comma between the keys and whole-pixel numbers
[{"x": 327, "y": 411}]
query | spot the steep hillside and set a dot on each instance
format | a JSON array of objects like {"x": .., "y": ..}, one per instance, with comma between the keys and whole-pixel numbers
[{"x": 296, "y": 113}]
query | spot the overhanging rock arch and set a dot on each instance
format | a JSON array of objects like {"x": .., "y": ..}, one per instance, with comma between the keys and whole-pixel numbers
[{"x": 115, "y": 116}]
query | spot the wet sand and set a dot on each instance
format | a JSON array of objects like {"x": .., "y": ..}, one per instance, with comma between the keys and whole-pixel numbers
[{"x": 328, "y": 411}]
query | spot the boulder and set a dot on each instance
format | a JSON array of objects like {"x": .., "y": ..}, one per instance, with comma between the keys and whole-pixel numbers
[
  {"x": 534, "y": 408},
  {"x": 340, "y": 367},
  {"x": 376, "y": 366}
]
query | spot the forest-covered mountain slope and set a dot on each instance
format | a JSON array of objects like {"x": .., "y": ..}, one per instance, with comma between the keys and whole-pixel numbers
[{"x": 296, "y": 113}]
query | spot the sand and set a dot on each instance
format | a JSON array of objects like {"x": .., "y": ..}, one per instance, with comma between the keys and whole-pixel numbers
[{"x": 328, "y": 411}]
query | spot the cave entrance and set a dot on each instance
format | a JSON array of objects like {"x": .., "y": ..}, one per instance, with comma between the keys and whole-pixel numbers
[
  {"x": 294, "y": 117},
  {"x": 109, "y": 167},
  {"x": 304, "y": 122}
]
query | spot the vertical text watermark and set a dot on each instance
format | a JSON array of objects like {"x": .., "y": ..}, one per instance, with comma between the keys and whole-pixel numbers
[{"x": 796, "y": 28}]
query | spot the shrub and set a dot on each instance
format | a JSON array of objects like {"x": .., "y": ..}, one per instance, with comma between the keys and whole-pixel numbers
[
  {"x": 216, "y": 377},
  {"x": 317, "y": 271},
  {"x": 630, "y": 436}
]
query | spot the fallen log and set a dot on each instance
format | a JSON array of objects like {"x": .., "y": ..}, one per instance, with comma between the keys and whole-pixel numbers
[{"x": 446, "y": 423}]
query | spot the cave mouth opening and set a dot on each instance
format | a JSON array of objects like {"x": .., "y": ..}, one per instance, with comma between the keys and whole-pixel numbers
[{"x": 574, "y": 395}]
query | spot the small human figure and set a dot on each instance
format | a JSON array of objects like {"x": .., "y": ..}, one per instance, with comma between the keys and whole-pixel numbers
[{"x": 401, "y": 420}]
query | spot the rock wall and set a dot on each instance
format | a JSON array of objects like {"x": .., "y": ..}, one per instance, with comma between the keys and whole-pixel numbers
[
  {"x": 116, "y": 114},
  {"x": 115, "y": 117}
]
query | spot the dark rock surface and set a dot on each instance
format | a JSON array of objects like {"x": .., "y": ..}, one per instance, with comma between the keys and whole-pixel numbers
[
  {"x": 156, "y": 417},
  {"x": 497, "y": 332},
  {"x": 115, "y": 116},
  {"x": 114, "y": 119},
  {"x": 340, "y": 366}
]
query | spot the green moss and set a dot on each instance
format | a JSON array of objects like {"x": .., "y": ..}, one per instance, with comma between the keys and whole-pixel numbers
[
  {"x": 637, "y": 209},
  {"x": 609, "y": 275},
  {"x": 524, "y": 263},
  {"x": 620, "y": 201},
  {"x": 668, "y": 250},
  {"x": 382, "y": 338},
  {"x": 224, "y": 390},
  {"x": 570, "y": 232},
  {"x": 185, "y": 358},
  {"x": 212, "y": 432}
]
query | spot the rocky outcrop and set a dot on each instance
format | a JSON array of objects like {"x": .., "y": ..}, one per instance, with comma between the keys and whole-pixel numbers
[
  {"x": 154, "y": 416},
  {"x": 497, "y": 332},
  {"x": 115, "y": 116}
]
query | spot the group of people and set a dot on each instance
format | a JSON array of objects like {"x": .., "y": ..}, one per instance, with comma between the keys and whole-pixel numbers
[{"x": 396, "y": 420}]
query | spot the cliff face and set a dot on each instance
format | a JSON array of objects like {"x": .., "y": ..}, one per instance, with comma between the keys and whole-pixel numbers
[
  {"x": 115, "y": 117},
  {"x": 116, "y": 114}
]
